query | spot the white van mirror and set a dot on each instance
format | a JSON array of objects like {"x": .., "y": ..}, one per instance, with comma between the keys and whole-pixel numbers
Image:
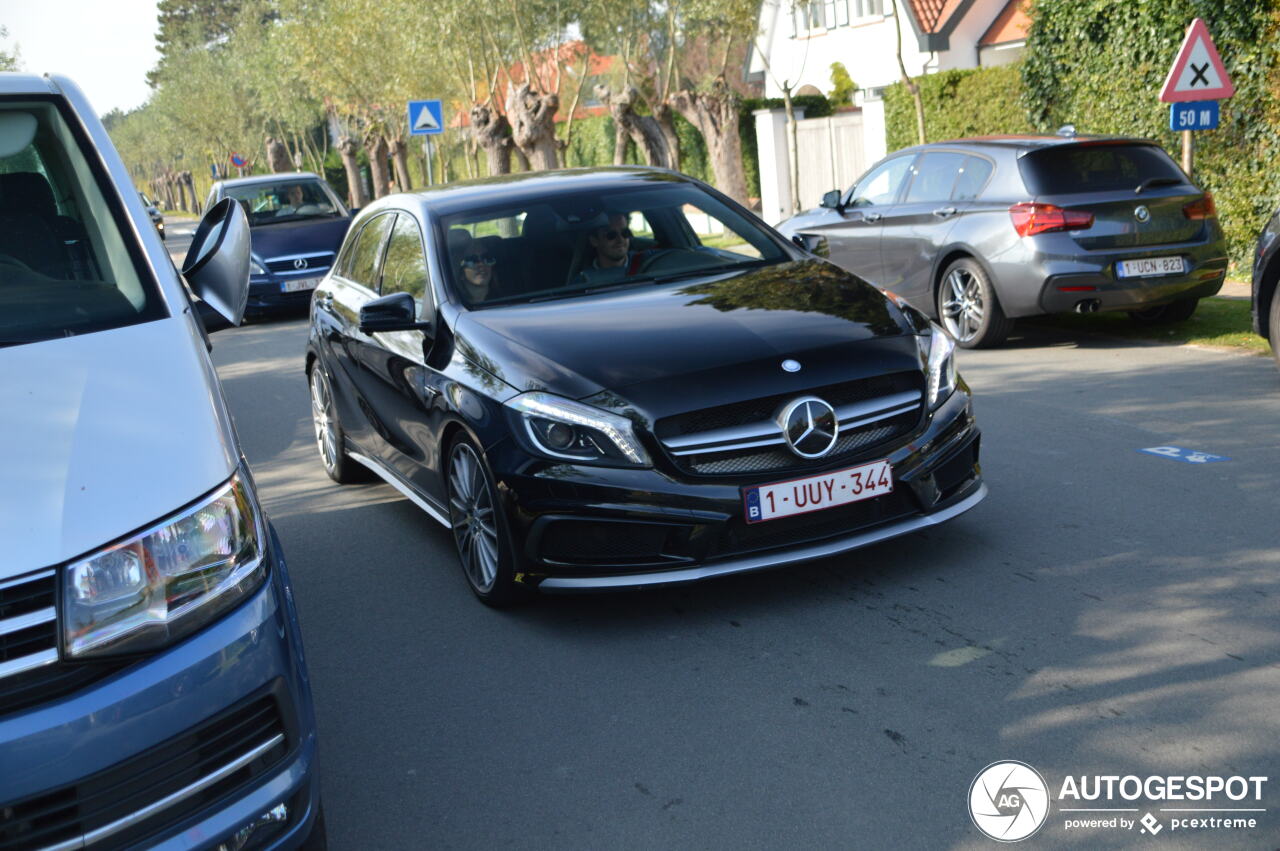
[{"x": 217, "y": 264}]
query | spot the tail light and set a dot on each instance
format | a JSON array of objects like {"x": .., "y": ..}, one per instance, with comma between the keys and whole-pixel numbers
[
  {"x": 1203, "y": 208},
  {"x": 1030, "y": 219}
]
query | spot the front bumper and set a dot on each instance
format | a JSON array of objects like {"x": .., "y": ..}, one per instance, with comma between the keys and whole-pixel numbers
[
  {"x": 177, "y": 750},
  {"x": 267, "y": 292},
  {"x": 579, "y": 528}
]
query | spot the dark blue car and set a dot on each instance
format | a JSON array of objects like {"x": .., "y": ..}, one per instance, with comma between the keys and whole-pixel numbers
[{"x": 297, "y": 223}]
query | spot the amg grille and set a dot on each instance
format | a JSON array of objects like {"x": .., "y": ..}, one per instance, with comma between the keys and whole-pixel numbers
[
  {"x": 745, "y": 438},
  {"x": 138, "y": 797}
]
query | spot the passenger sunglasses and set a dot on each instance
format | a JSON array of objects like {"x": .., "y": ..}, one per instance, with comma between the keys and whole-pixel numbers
[
  {"x": 473, "y": 260},
  {"x": 625, "y": 233}
]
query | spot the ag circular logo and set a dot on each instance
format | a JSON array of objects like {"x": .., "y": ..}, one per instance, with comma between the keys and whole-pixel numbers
[
  {"x": 1008, "y": 801},
  {"x": 809, "y": 426}
]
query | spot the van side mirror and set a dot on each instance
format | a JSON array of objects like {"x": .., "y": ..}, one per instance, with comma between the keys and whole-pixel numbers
[
  {"x": 217, "y": 264},
  {"x": 831, "y": 200},
  {"x": 395, "y": 312}
]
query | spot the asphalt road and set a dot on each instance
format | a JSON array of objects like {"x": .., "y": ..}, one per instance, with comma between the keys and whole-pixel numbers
[{"x": 1104, "y": 612}]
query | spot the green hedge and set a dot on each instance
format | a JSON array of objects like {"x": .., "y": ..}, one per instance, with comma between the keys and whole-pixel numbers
[
  {"x": 1099, "y": 65},
  {"x": 957, "y": 104}
]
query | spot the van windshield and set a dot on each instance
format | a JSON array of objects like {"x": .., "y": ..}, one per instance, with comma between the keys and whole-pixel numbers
[
  {"x": 66, "y": 265},
  {"x": 285, "y": 201}
]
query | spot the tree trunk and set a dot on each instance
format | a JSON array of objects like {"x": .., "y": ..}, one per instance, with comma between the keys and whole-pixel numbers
[
  {"x": 376, "y": 145},
  {"x": 278, "y": 156},
  {"x": 522, "y": 161},
  {"x": 913, "y": 88},
  {"x": 191, "y": 187},
  {"x": 400, "y": 159},
  {"x": 715, "y": 114},
  {"x": 642, "y": 129},
  {"x": 347, "y": 149},
  {"x": 492, "y": 133},
  {"x": 667, "y": 122},
  {"x": 533, "y": 125}
]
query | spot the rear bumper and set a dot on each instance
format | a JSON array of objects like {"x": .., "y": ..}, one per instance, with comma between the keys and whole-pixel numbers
[
  {"x": 1051, "y": 273},
  {"x": 68, "y": 751}
]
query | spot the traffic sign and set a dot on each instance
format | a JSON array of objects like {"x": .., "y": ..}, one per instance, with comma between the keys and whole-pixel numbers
[
  {"x": 1194, "y": 115},
  {"x": 238, "y": 161},
  {"x": 426, "y": 117},
  {"x": 1197, "y": 72}
]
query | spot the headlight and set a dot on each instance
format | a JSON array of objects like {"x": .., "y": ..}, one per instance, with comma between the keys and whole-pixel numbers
[
  {"x": 562, "y": 428},
  {"x": 939, "y": 351},
  {"x": 167, "y": 582},
  {"x": 256, "y": 268}
]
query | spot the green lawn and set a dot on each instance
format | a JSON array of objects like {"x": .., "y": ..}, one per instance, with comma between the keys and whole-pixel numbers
[{"x": 1216, "y": 322}]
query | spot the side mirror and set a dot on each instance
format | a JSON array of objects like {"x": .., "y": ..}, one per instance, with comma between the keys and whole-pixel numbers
[
  {"x": 217, "y": 264},
  {"x": 813, "y": 243},
  {"x": 395, "y": 312},
  {"x": 831, "y": 200}
]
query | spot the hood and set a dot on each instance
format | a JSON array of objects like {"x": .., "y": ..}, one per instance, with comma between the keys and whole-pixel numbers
[
  {"x": 722, "y": 339},
  {"x": 308, "y": 236},
  {"x": 106, "y": 434}
]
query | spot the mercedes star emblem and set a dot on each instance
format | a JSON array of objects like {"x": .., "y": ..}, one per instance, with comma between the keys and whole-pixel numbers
[
  {"x": 791, "y": 365},
  {"x": 1142, "y": 214},
  {"x": 809, "y": 426},
  {"x": 300, "y": 263}
]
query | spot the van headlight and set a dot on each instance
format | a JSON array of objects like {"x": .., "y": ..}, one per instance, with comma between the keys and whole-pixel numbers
[
  {"x": 563, "y": 428},
  {"x": 940, "y": 353},
  {"x": 146, "y": 592}
]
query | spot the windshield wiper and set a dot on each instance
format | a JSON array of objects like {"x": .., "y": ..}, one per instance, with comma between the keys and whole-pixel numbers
[{"x": 1156, "y": 181}]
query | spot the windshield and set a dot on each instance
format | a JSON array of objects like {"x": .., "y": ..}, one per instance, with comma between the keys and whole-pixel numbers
[
  {"x": 66, "y": 267},
  {"x": 285, "y": 201},
  {"x": 561, "y": 245}
]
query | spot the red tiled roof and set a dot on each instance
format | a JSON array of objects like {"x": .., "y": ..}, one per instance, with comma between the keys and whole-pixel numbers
[
  {"x": 932, "y": 14},
  {"x": 1010, "y": 25}
]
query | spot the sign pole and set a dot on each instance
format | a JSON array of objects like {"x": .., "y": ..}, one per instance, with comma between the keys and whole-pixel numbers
[
  {"x": 426, "y": 150},
  {"x": 1188, "y": 151}
]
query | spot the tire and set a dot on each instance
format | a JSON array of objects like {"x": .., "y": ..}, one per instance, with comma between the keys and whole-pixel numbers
[
  {"x": 330, "y": 439},
  {"x": 480, "y": 527},
  {"x": 1274, "y": 326},
  {"x": 968, "y": 307},
  {"x": 1166, "y": 314}
]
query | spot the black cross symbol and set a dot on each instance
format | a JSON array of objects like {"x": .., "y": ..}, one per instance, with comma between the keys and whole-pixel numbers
[{"x": 1199, "y": 74}]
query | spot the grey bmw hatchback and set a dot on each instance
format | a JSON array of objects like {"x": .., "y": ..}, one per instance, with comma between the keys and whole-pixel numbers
[{"x": 978, "y": 232}]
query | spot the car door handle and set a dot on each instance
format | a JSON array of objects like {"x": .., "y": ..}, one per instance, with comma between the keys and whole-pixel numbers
[
  {"x": 871, "y": 217},
  {"x": 945, "y": 212}
]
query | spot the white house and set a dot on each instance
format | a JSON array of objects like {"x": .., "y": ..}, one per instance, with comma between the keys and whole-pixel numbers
[{"x": 799, "y": 41}]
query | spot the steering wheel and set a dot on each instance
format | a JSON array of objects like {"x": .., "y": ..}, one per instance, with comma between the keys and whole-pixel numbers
[{"x": 675, "y": 260}]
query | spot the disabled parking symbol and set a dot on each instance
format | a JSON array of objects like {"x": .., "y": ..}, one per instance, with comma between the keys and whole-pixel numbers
[{"x": 1186, "y": 456}]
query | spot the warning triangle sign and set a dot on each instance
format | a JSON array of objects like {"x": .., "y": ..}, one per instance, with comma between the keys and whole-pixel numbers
[{"x": 1197, "y": 73}]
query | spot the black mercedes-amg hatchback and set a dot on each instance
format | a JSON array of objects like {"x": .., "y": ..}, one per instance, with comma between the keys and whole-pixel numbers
[{"x": 618, "y": 378}]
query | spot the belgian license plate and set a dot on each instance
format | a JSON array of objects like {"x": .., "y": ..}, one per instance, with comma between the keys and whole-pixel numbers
[
  {"x": 1150, "y": 267},
  {"x": 815, "y": 493},
  {"x": 299, "y": 285}
]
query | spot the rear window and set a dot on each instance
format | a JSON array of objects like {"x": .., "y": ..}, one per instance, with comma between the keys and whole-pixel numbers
[{"x": 1068, "y": 169}]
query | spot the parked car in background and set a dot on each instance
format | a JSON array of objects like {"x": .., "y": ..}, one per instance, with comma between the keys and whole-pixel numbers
[
  {"x": 153, "y": 691},
  {"x": 617, "y": 378},
  {"x": 1266, "y": 272},
  {"x": 157, "y": 218},
  {"x": 297, "y": 224},
  {"x": 978, "y": 232}
]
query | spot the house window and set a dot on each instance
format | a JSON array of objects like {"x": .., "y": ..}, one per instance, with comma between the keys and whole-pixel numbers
[
  {"x": 817, "y": 16},
  {"x": 866, "y": 8}
]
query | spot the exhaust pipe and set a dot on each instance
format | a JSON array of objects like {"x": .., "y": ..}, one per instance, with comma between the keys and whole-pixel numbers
[{"x": 1088, "y": 305}]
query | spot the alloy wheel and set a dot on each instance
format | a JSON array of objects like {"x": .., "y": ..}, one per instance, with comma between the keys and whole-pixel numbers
[
  {"x": 963, "y": 308},
  {"x": 322, "y": 419},
  {"x": 471, "y": 512}
]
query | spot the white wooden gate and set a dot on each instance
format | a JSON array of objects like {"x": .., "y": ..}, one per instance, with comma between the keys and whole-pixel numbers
[{"x": 830, "y": 156}]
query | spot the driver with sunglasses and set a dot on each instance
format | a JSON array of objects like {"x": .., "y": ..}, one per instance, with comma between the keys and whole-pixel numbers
[
  {"x": 612, "y": 257},
  {"x": 477, "y": 259}
]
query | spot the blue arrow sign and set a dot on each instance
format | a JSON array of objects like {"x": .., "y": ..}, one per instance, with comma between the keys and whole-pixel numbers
[
  {"x": 426, "y": 117},
  {"x": 1193, "y": 115}
]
